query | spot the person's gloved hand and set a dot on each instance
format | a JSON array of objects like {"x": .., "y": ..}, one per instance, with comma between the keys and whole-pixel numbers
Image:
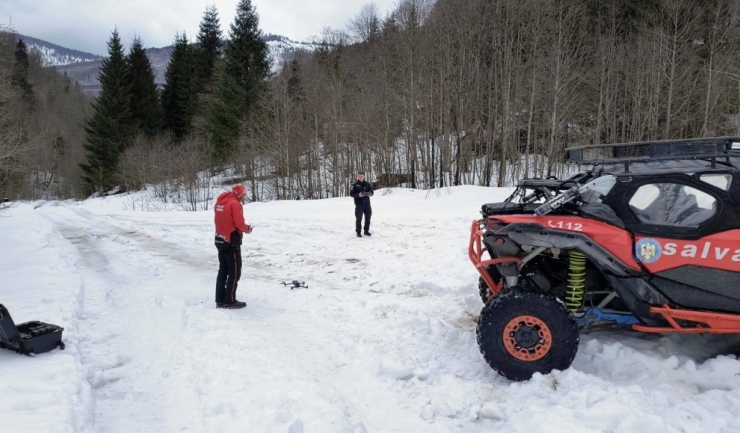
[{"x": 249, "y": 229}]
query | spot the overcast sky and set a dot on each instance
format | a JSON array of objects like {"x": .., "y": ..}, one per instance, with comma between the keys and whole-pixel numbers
[{"x": 87, "y": 24}]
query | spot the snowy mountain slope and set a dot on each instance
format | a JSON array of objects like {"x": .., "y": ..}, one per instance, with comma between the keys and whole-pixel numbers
[
  {"x": 56, "y": 55},
  {"x": 281, "y": 49},
  {"x": 382, "y": 341}
]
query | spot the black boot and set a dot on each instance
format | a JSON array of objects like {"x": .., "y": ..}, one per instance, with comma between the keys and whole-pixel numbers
[
  {"x": 367, "y": 233},
  {"x": 235, "y": 305},
  {"x": 359, "y": 235}
]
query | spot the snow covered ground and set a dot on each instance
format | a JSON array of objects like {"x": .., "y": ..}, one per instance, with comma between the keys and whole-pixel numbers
[{"x": 383, "y": 340}]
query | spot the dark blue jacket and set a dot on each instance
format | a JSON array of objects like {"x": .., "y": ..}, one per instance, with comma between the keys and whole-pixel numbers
[{"x": 362, "y": 187}]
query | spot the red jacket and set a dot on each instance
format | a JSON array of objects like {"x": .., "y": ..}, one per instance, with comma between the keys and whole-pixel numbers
[{"x": 229, "y": 218}]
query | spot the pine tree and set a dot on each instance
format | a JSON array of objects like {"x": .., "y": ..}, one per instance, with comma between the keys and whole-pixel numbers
[
  {"x": 295, "y": 88},
  {"x": 210, "y": 45},
  {"x": 208, "y": 52},
  {"x": 20, "y": 72},
  {"x": 112, "y": 126},
  {"x": 245, "y": 70},
  {"x": 145, "y": 106},
  {"x": 178, "y": 95},
  {"x": 390, "y": 26},
  {"x": 224, "y": 117},
  {"x": 246, "y": 54},
  {"x": 374, "y": 29}
]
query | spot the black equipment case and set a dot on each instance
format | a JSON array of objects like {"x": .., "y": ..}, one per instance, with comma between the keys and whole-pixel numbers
[{"x": 30, "y": 338}]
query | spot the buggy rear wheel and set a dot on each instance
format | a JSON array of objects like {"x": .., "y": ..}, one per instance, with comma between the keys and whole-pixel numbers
[{"x": 522, "y": 332}]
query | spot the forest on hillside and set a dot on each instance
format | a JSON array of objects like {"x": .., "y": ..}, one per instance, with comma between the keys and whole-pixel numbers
[
  {"x": 430, "y": 94},
  {"x": 42, "y": 119},
  {"x": 481, "y": 92}
]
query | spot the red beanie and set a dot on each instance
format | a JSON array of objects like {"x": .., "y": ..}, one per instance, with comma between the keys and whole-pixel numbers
[{"x": 239, "y": 190}]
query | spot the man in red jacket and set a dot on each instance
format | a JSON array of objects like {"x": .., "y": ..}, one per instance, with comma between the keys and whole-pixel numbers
[{"x": 230, "y": 227}]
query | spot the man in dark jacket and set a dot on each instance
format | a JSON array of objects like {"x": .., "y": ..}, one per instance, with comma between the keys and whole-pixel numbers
[
  {"x": 230, "y": 226},
  {"x": 361, "y": 191}
]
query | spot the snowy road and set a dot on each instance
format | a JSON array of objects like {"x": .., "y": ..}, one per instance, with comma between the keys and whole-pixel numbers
[
  {"x": 159, "y": 350},
  {"x": 382, "y": 341}
]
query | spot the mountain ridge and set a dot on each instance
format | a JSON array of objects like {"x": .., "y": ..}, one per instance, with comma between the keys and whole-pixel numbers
[
  {"x": 56, "y": 55},
  {"x": 83, "y": 68}
]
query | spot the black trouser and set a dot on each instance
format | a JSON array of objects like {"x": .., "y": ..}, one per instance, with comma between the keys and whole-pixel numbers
[
  {"x": 229, "y": 272},
  {"x": 359, "y": 210}
]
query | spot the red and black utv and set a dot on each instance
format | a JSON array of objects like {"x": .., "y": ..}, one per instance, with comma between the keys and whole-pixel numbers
[{"x": 648, "y": 237}]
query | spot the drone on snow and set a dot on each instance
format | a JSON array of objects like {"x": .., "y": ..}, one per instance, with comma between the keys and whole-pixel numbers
[{"x": 295, "y": 284}]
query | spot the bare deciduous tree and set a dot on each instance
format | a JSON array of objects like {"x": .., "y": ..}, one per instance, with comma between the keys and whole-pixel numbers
[{"x": 365, "y": 26}]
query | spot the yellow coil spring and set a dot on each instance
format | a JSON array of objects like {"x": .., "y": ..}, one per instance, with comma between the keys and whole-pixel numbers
[{"x": 576, "y": 281}]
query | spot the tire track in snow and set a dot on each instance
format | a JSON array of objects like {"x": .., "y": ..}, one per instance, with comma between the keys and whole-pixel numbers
[{"x": 126, "y": 336}]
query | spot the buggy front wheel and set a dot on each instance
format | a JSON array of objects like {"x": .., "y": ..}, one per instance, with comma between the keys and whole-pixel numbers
[{"x": 523, "y": 332}]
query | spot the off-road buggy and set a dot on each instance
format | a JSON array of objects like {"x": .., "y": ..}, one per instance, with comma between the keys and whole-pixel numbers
[{"x": 647, "y": 236}]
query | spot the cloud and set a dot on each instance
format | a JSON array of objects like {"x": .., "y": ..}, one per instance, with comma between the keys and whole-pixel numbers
[{"x": 87, "y": 24}]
